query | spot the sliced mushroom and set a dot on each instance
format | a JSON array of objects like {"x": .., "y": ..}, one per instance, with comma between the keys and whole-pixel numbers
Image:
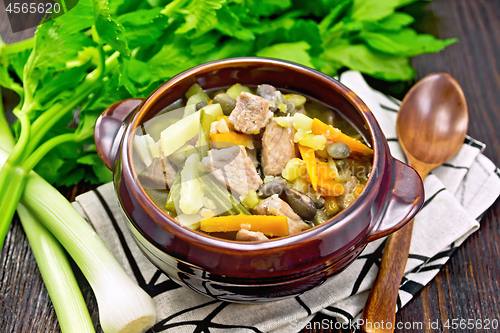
[
  {"x": 276, "y": 186},
  {"x": 300, "y": 203}
]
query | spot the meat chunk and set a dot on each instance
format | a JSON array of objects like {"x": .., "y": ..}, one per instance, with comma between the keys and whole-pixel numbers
[
  {"x": 277, "y": 148},
  {"x": 250, "y": 114},
  {"x": 250, "y": 236},
  {"x": 159, "y": 174},
  {"x": 233, "y": 167},
  {"x": 347, "y": 198},
  {"x": 275, "y": 206}
]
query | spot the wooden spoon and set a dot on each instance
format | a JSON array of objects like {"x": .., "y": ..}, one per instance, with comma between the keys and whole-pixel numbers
[{"x": 431, "y": 126}]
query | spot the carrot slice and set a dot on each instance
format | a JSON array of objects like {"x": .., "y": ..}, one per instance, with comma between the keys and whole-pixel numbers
[
  {"x": 330, "y": 188},
  {"x": 233, "y": 137},
  {"x": 320, "y": 128},
  {"x": 268, "y": 225},
  {"x": 309, "y": 157},
  {"x": 324, "y": 171},
  {"x": 335, "y": 135}
]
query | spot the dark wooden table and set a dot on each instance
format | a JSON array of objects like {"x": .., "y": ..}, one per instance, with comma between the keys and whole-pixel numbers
[{"x": 468, "y": 287}]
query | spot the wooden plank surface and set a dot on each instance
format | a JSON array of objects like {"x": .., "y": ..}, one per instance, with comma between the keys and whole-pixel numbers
[{"x": 468, "y": 287}]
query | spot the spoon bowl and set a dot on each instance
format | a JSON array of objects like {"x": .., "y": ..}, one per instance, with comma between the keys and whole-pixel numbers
[
  {"x": 432, "y": 124},
  {"x": 432, "y": 121}
]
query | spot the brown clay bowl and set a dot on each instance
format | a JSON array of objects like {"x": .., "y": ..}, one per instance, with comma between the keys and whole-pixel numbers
[{"x": 276, "y": 269}]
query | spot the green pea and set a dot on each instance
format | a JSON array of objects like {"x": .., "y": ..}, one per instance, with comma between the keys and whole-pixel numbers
[{"x": 338, "y": 150}]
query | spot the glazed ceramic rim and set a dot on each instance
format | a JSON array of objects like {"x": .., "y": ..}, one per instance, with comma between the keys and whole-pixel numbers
[{"x": 129, "y": 173}]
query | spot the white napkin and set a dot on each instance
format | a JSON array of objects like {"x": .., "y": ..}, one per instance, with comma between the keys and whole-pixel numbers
[{"x": 457, "y": 194}]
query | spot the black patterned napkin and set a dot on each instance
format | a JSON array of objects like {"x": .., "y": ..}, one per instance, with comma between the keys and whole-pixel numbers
[{"x": 457, "y": 194}]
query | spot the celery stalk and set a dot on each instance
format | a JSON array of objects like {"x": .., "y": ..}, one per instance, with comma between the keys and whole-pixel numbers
[
  {"x": 204, "y": 133},
  {"x": 123, "y": 305},
  {"x": 174, "y": 194},
  {"x": 6, "y": 139},
  {"x": 10, "y": 193},
  {"x": 57, "y": 275},
  {"x": 221, "y": 196}
]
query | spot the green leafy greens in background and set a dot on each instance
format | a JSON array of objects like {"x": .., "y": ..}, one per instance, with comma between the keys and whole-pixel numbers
[{"x": 136, "y": 45}]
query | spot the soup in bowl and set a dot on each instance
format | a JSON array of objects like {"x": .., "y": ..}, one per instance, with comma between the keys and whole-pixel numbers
[{"x": 254, "y": 179}]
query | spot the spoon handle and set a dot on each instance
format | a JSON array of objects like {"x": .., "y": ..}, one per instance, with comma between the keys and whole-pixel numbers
[{"x": 379, "y": 314}]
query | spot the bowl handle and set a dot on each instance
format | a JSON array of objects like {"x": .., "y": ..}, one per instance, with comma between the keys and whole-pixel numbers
[
  {"x": 109, "y": 129},
  {"x": 404, "y": 202}
]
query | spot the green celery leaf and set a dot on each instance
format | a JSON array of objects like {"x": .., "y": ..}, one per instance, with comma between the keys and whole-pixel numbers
[
  {"x": 107, "y": 95},
  {"x": 200, "y": 16},
  {"x": 134, "y": 75},
  {"x": 405, "y": 42},
  {"x": 138, "y": 71},
  {"x": 330, "y": 67},
  {"x": 306, "y": 30},
  {"x": 103, "y": 174},
  {"x": 123, "y": 6},
  {"x": 6, "y": 81},
  {"x": 80, "y": 17},
  {"x": 51, "y": 52},
  {"x": 69, "y": 150},
  {"x": 73, "y": 177},
  {"x": 71, "y": 163},
  {"x": 143, "y": 27},
  {"x": 375, "y": 10},
  {"x": 229, "y": 24},
  {"x": 57, "y": 170},
  {"x": 204, "y": 44},
  {"x": 270, "y": 26},
  {"x": 75, "y": 43},
  {"x": 109, "y": 31},
  {"x": 295, "y": 52},
  {"x": 333, "y": 15},
  {"x": 140, "y": 17},
  {"x": 50, "y": 91},
  {"x": 394, "y": 22},
  {"x": 318, "y": 8},
  {"x": 244, "y": 15},
  {"x": 19, "y": 61},
  {"x": 172, "y": 59},
  {"x": 361, "y": 58},
  {"x": 288, "y": 30},
  {"x": 266, "y": 8},
  {"x": 230, "y": 49}
]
